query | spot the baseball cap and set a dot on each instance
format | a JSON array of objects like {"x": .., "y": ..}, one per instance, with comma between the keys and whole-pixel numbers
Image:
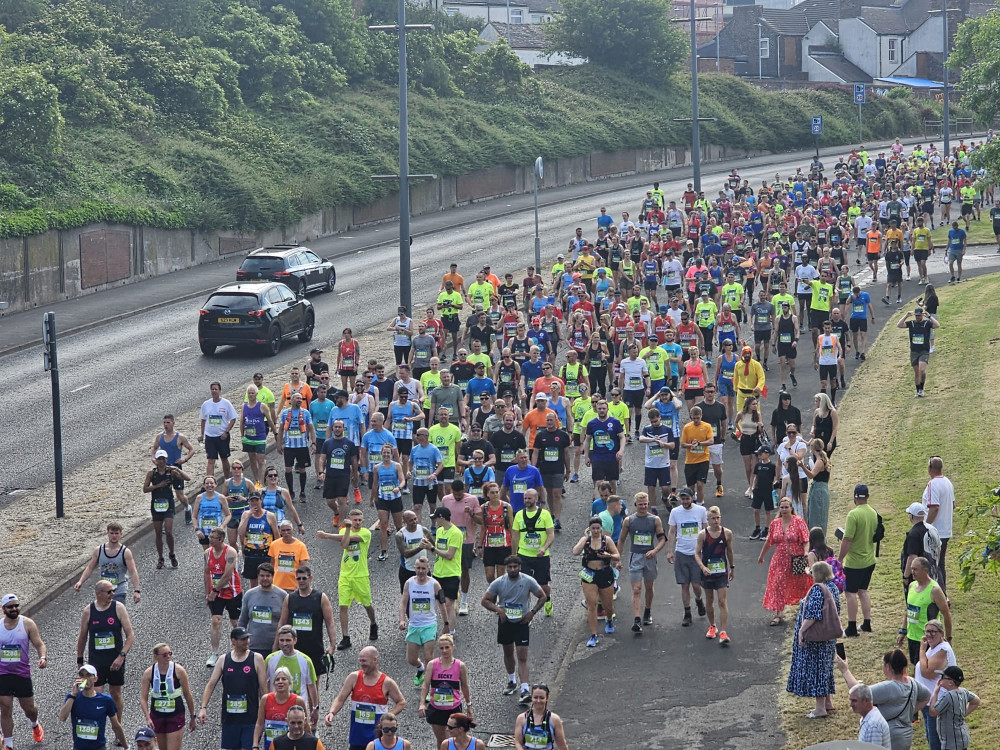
[
  {"x": 918, "y": 311},
  {"x": 536, "y": 321},
  {"x": 686, "y": 491},
  {"x": 916, "y": 509},
  {"x": 663, "y": 308},
  {"x": 952, "y": 673},
  {"x": 238, "y": 634},
  {"x": 160, "y": 454},
  {"x": 666, "y": 389},
  {"x": 315, "y": 351},
  {"x": 89, "y": 669},
  {"x": 444, "y": 513},
  {"x": 542, "y": 397},
  {"x": 860, "y": 490},
  {"x": 9, "y": 599},
  {"x": 145, "y": 734},
  {"x": 560, "y": 256}
]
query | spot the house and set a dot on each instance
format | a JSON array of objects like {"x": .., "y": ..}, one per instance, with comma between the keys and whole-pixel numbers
[
  {"x": 521, "y": 11},
  {"x": 528, "y": 43}
]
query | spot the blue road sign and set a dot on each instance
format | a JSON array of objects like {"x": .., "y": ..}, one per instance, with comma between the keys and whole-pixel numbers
[
  {"x": 817, "y": 126},
  {"x": 859, "y": 93}
]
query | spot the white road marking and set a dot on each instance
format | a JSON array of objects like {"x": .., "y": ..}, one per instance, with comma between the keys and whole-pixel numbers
[
  {"x": 476, "y": 251},
  {"x": 81, "y": 388},
  {"x": 184, "y": 349},
  {"x": 341, "y": 294}
]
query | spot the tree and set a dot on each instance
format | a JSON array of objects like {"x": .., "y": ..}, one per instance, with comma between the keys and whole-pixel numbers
[
  {"x": 633, "y": 36},
  {"x": 980, "y": 546},
  {"x": 30, "y": 120},
  {"x": 977, "y": 56},
  {"x": 497, "y": 72}
]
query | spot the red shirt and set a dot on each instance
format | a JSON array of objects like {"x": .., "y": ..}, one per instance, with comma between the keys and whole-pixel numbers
[
  {"x": 620, "y": 323},
  {"x": 588, "y": 308},
  {"x": 661, "y": 324}
]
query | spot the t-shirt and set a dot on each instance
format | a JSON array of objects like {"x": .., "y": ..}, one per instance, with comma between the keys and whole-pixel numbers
[
  {"x": 452, "y": 303},
  {"x": 956, "y": 239},
  {"x": 301, "y": 666},
  {"x": 425, "y": 460},
  {"x": 460, "y": 517},
  {"x": 891, "y": 699},
  {"x": 217, "y": 416},
  {"x": 534, "y": 420},
  {"x": 320, "y": 411},
  {"x": 715, "y": 416},
  {"x": 860, "y": 527},
  {"x": 446, "y": 439},
  {"x": 552, "y": 448},
  {"x": 859, "y": 305},
  {"x": 761, "y": 313},
  {"x": 704, "y": 435},
  {"x": 354, "y": 563},
  {"x": 373, "y": 441},
  {"x": 635, "y": 372},
  {"x": 514, "y": 594},
  {"x": 657, "y": 457},
  {"x": 260, "y": 613},
  {"x": 605, "y": 437},
  {"x": 518, "y": 481},
  {"x": 89, "y": 718},
  {"x": 688, "y": 522},
  {"x": 940, "y": 492},
  {"x": 286, "y": 557},
  {"x": 532, "y": 531},
  {"x": 444, "y": 539}
]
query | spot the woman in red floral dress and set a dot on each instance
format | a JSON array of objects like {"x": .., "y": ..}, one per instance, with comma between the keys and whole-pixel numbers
[{"x": 789, "y": 536}]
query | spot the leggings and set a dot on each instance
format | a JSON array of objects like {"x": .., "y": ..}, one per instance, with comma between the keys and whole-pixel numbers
[
  {"x": 402, "y": 353},
  {"x": 598, "y": 380}
]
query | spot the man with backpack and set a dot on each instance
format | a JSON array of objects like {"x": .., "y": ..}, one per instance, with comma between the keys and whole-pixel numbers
[
  {"x": 862, "y": 532},
  {"x": 921, "y": 540}
]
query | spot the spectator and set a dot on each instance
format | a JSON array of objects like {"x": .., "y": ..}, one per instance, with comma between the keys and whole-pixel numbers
[
  {"x": 921, "y": 541},
  {"x": 898, "y": 697},
  {"x": 857, "y": 555},
  {"x": 785, "y": 414},
  {"x": 811, "y": 671},
  {"x": 874, "y": 728},
  {"x": 789, "y": 536},
  {"x": 950, "y": 703},
  {"x": 818, "y": 504},
  {"x": 924, "y": 599},
  {"x": 939, "y": 499},
  {"x": 820, "y": 551},
  {"x": 935, "y": 654}
]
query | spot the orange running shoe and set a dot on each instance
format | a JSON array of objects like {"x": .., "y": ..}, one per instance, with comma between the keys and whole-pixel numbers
[
  {"x": 357, "y": 496},
  {"x": 712, "y": 632},
  {"x": 723, "y": 638},
  {"x": 38, "y": 733},
  {"x": 336, "y": 520}
]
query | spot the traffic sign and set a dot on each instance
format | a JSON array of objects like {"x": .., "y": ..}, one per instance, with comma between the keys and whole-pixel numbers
[
  {"x": 817, "y": 126},
  {"x": 859, "y": 93}
]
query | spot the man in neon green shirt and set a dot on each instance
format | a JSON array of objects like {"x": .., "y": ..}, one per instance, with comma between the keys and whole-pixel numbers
[
  {"x": 450, "y": 303},
  {"x": 968, "y": 195},
  {"x": 857, "y": 555},
  {"x": 783, "y": 296},
  {"x": 448, "y": 540},
  {"x": 478, "y": 356},
  {"x": 480, "y": 291},
  {"x": 446, "y": 437},
  {"x": 532, "y": 535},
  {"x": 299, "y": 665},
  {"x": 819, "y": 305},
  {"x": 430, "y": 380},
  {"x": 635, "y": 301},
  {"x": 581, "y": 407},
  {"x": 655, "y": 358},
  {"x": 705, "y": 313},
  {"x": 732, "y": 292},
  {"x": 353, "y": 582}
]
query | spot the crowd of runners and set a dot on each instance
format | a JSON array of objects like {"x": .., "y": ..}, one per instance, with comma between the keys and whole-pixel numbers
[{"x": 657, "y": 338}]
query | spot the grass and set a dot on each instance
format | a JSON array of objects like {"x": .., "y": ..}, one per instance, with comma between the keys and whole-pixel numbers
[
  {"x": 886, "y": 437},
  {"x": 979, "y": 232}
]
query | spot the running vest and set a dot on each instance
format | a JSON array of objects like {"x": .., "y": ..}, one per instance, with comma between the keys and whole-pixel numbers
[
  {"x": 254, "y": 425},
  {"x": 445, "y": 693},
  {"x": 161, "y": 498},
  {"x": 422, "y": 611},
  {"x": 348, "y": 355},
  {"x": 274, "y": 502},
  {"x": 713, "y": 553},
  {"x": 559, "y": 408},
  {"x": 411, "y": 540},
  {"x": 828, "y": 351},
  {"x": 388, "y": 480},
  {"x": 165, "y": 693},
  {"x": 401, "y": 429},
  {"x": 571, "y": 376},
  {"x": 238, "y": 495},
  {"x": 258, "y": 536},
  {"x": 275, "y": 717},
  {"x": 209, "y": 512},
  {"x": 537, "y": 736},
  {"x": 172, "y": 448},
  {"x": 104, "y": 635},
  {"x": 918, "y": 604},
  {"x": 14, "y": 645},
  {"x": 216, "y": 569},
  {"x": 692, "y": 374},
  {"x": 240, "y": 696},
  {"x": 368, "y": 704},
  {"x": 113, "y": 569},
  {"x": 497, "y": 530},
  {"x": 478, "y": 479},
  {"x": 643, "y": 533},
  {"x": 306, "y": 616}
]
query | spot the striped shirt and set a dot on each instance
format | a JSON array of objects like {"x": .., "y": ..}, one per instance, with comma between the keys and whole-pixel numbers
[{"x": 296, "y": 427}]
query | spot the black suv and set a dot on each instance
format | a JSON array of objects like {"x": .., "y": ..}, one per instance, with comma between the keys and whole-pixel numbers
[
  {"x": 298, "y": 267},
  {"x": 261, "y": 312}
]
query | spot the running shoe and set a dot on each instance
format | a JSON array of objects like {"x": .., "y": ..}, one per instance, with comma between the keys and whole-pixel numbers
[
  {"x": 187, "y": 516},
  {"x": 723, "y": 638},
  {"x": 557, "y": 525},
  {"x": 712, "y": 632},
  {"x": 173, "y": 560},
  {"x": 302, "y": 497},
  {"x": 862, "y": 356},
  {"x": 345, "y": 643},
  {"x": 525, "y": 698},
  {"x": 463, "y": 606},
  {"x": 647, "y": 617},
  {"x": 857, "y": 355},
  {"x": 336, "y": 520},
  {"x": 843, "y": 382},
  {"x": 609, "y": 626},
  {"x": 686, "y": 622},
  {"x": 885, "y": 300},
  {"x": 575, "y": 478},
  {"x": 37, "y": 733},
  {"x": 548, "y": 608},
  {"x": 382, "y": 556},
  {"x": 701, "y": 607},
  {"x": 373, "y": 632},
  {"x": 755, "y": 534},
  {"x": 636, "y": 626},
  {"x": 718, "y": 490},
  {"x": 899, "y": 300},
  {"x": 511, "y": 688},
  {"x": 419, "y": 679},
  {"x": 357, "y": 496},
  {"x": 763, "y": 534},
  {"x": 749, "y": 492},
  {"x": 592, "y": 642},
  {"x": 951, "y": 280},
  {"x": 159, "y": 564},
  {"x": 796, "y": 382},
  {"x": 210, "y": 661}
]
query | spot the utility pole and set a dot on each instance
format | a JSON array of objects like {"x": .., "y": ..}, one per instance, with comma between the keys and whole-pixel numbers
[
  {"x": 50, "y": 359},
  {"x": 537, "y": 174}
]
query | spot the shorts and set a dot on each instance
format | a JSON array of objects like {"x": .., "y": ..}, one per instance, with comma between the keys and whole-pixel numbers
[
  {"x": 859, "y": 324},
  {"x": 686, "y": 570},
  {"x": 955, "y": 254},
  {"x": 872, "y": 257},
  {"x": 641, "y": 568},
  {"x": 918, "y": 357},
  {"x": 447, "y": 474},
  {"x": 920, "y": 255},
  {"x": 515, "y": 633},
  {"x": 653, "y": 475},
  {"x": 787, "y": 351},
  {"x": 297, "y": 456},
  {"x": 804, "y": 296},
  {"x": 605, "y": 471},
  {"x": 254, "y": 447},
  {"x": 421, "y": 634},
  {"x": 353, "y": 589},
  {"x": 538, "y": 568},
  {"x": 449, "y": 585},
  {"x": 650, "y": 286},
  {"x": 217, "y": 606},
  {"x": 603, "y": 578},
  {"x": 468, "y": 556},
  {"x": 749, "y": 443},
  {"x": 763, "y": 499},
  {"x": 216, "y": 447},
  {"x": 439, "y": 716},
  {"x": 251, "y": 563},
  {"x": 114, "y": 677},
  {"x": 762, "y": 337},
  {"x": 162, "y": 515},
  {"x": 726, "y": 388},
  {"x": 966, "y": 209},
  {"x": 391, "y": 506},
  {"x": 422, "y": 492},
  {"x": 236, "y": 736},
  {"x": 927, "y": 208},
  {"x": 715, "y": 454},
  {"x": 552, "y": 481},
  {"x": 404, "y": 445},
  {"x": 656, "y": 385},
  {"x": 818, "y": 317},
  {"x": 576, "y": 439},
  {"x": 16, "y": 686},
  {"x": 894, "y": 276},
  {"x": 694, "y": 473},
  {"x": 828, "y": 372},
  {"x": 452, "y": 324},
  {"x": 857, "y": 579},
  {"x": 347, "y": 373},
  {"x": 634, "y": 398},
  {"x": 714, "y": 582},
  {"x": 168, "y": 724},
  {"x": 690, "y": 394},
  {"x": 178, "y": 484},
  {"x": 493, "y": 557},
  {"x": 336, "y": 486}
]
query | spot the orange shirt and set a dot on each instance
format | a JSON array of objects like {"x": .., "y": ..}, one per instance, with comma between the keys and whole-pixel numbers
[
  {"x": 304, "y": 389},
  {"x": 493, "y": 279},
  {"x": 456, "y": 279},
  {"x": 286, "y": 557},
  {"x": 701, "y": 432},
  {"x": 544, "y": 385},
  {"x": 534, "y": 421},
  {"x": 874, "y": 242}
]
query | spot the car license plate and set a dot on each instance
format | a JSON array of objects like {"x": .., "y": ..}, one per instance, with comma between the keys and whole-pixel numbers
[{"x": 229, "y": 320}]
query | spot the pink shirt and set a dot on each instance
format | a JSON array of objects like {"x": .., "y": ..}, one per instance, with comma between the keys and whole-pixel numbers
[{"x": 462, "y": 512}]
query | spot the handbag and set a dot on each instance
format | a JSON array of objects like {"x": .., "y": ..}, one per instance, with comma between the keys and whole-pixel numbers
[
  {"x": 828, "y": 628},
  {"x": 799, "y": 565}
]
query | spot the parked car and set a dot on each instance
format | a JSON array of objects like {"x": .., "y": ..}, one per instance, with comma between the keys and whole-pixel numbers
[
  {"x": 298, "y": 267},
  {"x": 262, "y": 313}
]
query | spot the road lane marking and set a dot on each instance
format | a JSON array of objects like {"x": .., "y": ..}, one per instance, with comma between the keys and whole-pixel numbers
[
  {"x": 182, "y": 350},
  {"x": 81, "y": 388},
  {"x": 341, "y": 294}
]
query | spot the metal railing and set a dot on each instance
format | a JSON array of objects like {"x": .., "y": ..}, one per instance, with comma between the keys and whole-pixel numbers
[{"x": 959, "y": 126}]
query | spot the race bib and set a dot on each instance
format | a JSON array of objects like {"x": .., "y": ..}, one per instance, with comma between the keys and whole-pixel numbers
[
  {"x": 364, "y": 714},
  {"x": 286, "y": 563},
  {"x": 422, "y": 605},
  {"x": 551, "y": 454},
  {"x": 716, "y": 566},
  {"x": 690, "y": 528},
  {"x": 87, "y": 730},
  {"x": 520, "y": 487},
  {"x": 443, "y": 697},
  {"x": 161, "y": 505},
  {"x": 634, "y": 382},
  {"x": 694, "y": 382},
  {"x": 347, "y": 363},
  {"x": 215, "y": 421},
  {"x": 496, "y": 540},
  {"x": 209, "y": 522},
  {"x": 321, "y": 426},
  {"x": 587, "y": 575},
  {"x": 643, "y": 540},
  {"x": 913, "y": 614},
  {"x": 294, "y": 433},
  {"x": 386, "y": 490},
  {"x": 442, "y": 543},
  {"x": 513, "y": 610},
  {"x": 533, "y": 540},
  {"x": 261, "y": 615},
  {"x": 236, "y": 704},
  {"x": 422, "y": 472},
  {"x": 918, "y": 338},
  {"x": 785, "y": 338},
  {"x": 399, "y": 426},
  {"x": 337, "y": 462},
  {"x": 10, "y": 654},
  {"x": 165, "y": 705},
  {"x": 858, "y": 308},
  {"x": 655, "y": 450},
  {"x": 104, "y": 641},
  {"x": 274, "y": 729},
  {"x": 302, "y": 621}
]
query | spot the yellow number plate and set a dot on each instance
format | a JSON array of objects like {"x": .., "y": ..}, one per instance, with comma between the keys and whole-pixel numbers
[{"x": 229, "y": 320}]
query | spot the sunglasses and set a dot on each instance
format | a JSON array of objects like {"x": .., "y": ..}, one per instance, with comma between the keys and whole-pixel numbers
[
  {"x": 393, "y": 730},
  {"x": 166, "y": 653},
  {"x": 301, "y": 578},
  {"x": 271, "y": 475}
]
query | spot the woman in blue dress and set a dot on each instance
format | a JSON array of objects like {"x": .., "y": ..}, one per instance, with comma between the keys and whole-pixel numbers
[{"x": 811, "y": 672}]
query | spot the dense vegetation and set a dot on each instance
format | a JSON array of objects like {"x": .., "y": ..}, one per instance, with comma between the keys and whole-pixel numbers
[{"x": 250, "y": 113}]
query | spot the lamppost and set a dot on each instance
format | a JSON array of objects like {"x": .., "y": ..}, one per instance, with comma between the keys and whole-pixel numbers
[
  {"x": 537, "y": 174},
  {"x": 695, "y": 119},
  {"x": 946, "y": 94}
]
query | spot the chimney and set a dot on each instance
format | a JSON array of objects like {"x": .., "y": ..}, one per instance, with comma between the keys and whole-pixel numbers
[{"x": 850, "y": 8}]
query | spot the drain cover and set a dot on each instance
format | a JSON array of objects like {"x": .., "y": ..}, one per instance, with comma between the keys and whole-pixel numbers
[{"x": 500, "y": 740}]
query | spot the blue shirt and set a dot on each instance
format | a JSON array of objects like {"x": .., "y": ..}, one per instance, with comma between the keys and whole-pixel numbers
[
  {"x": 373, "y": 442},
  {"x": 295, "y": 424},
  {"x": 956, "y": 237},
  {"x": 674, "y": 350},
  {"x": 518, "y": 480},
  {"x": 530, "y": 372},
  {"x": 480, "y": 385},
  {"x": 604, "y": 221},
  {"x": 540, "y": 338},
  {"x": 605, "y": 438},
  {"x": 320, "y": 411},
  {"x": 859, "y": 305},
  {"x": 89, "y": 718},
  {"x": 425, "y": 460},
  {"x": 353, "y": 419}
]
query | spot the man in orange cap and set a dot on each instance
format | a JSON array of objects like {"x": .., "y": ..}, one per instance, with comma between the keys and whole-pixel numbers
[{"x": 748, "y": 378}]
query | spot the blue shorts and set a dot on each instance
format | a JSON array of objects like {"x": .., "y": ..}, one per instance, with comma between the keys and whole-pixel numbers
[
  {"x": 726, "y": 387},
  {"x": 237, "y": 736},
  {"x": 955, "y": 254},
  {"x": 652, "y": 476},
  {"x": 656, "y": 385},
  {"x": 727, "y": 337}
]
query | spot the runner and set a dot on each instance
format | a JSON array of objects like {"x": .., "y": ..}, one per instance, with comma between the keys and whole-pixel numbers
[
  {"x": 217, "y": 419},
  {"x": 551, "y": 455},
  {"x": 389, "y": 479},
  {"x": 300, "y": 668},
  {"x": 370, "y": 692},
  {"x": 450, "y": 303},
  {"x": 634, "y": 381},
  {"x": 465, "y": 510},
  {"x": 826, "y": 355},
  {"x": 310, "y": 612},
  {"x": 448, "y": 543},
  {"x": 173, "y": 443},
  {"x": 645, "y": 533},
  {"x": 255, "y": 423},
  {"x": 714, "y": 555},
  {"x": 920, "y": 330},
  {"x": 763, "y": 492},
  {"x": 272, "y": 712},
  {"x": 597, "y": 575},
  {"x": 223, "y": 589},
  {"x": 785, "y": 343},
  {"x": 165, "y": 689},
  {"x": 90, "y": 711},
  {"x": 426, "y": 465},
  {"x": 956, "y": 251},
  {"x": 287, "y": 553},
  {"x": 353, "y": 584},
  {"x": 697, "y": 437},
  {"x": 604, "y": 446},
  {"x": 261, "y": 609},
  {"x": 446, "y": 437},
  {"x": 294, "y": 385},
  {"x": 530, "y": 523},
  {"x": 237, "y": 490},
  {"x": 244, "y": 684},
  {"x": 295, "y": 439},
  {"x": 298, "y": 737},
  {"x": 538, "y": 727},
  {"x": 714, "y": 413},
  {"x": 418, "y": 612},
  {"x": 106, "y": 630},
  {"x": 258, "y": 529},
  {"x": 441, "y": 694},
  {"x": 17, "y": 636},
  {"x": 116, "y": 565},
  {"x": 210, "y": 510},
  {"x": 519, "y": 479},
  {"x": 686, "y": 522},
  {"x": 494, "y": 531},
  {"x": 159, "y": 483},
  {"x": 337, "y": 464}
]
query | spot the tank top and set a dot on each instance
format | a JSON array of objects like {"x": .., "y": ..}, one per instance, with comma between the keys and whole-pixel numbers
[
  {"x": 161, "y": 497},
  {"x": 827, "y": 350},
  {"x": 727, "y": 367},
  {"x": 578, "y": 339},
  {"x": 349, "y": 355},
  {"x": 643, "y": 531},
  {"x": 446, "y": 685},
  {"x": 238, "y": 494},
  {"x": 411, "y": 540},
  {"x": 537, "y": 736},
  {"x": 917, "y": 604},
  {"x": 380, "y": 746},
  {"x": 388, "y": 479},
  {"x": 165, "y": 693},
  {"x": 258, "y": 536},
  {"x": 361, "y": 401},
  {"x": 274, "y": 502},
  {"x": 786, "y": 329},
  {"x": 275, "y": 715},
  {"x": 595, "y": 357},
  {"x": 478, "y": 478},
  {"x": 560, "y": 409},
  {"x": 506, "y": 376},
  {"x": 727, "y": 327},
  {"x": 104, "y": 635},
  {"x": 172, "y": 448},
  {"x": 713, "y": 553},
  {"x": 240, "y": 695},
  {"x": 401, "y": 429},
  {"x": 422, "y": 610},
  {"x": 216, "y": 568},
  {"x": 306, "y": 616},
  {"x": 692, "y": 374},
  {"x": 14, "y": 645},
  {"x": 254, "y": 425},
  {"x": 368, "y": 704},
  {"x": 113, "y": 569},
  {"x": 209, "y": 512},
  {"x": 497, "y": 532}
]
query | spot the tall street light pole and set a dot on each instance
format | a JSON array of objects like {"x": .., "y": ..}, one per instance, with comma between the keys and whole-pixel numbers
[
  {"x": 695, "y": 120},
  {"x": 946, "y": 123},
  {"x": 537, "y": 174}
]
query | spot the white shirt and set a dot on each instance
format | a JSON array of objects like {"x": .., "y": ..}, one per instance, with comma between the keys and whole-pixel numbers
[
  {"x": 688, "y": 522},
  {"x": 217, "y": 416},
  {"x": 635, "y": 372},
  {"x": 803, "y": 275},
  {"x": 673, "y": 273},
  {"x": 930, "y": 682},
  {"x": 875, "y": 729},
  {"x": 940, "y": 492},
  {"x": 861, "y": 225},
  {"x": 785, "y": 450}
]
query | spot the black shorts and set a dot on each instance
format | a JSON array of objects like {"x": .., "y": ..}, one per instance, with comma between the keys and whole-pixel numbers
[
  {"x": 787, "y": 351},
  {"x": 857, "y": 579},
  {"x": 439, "y": 716},
  {"x": 608, "y": 471},
  {"x": 251, "y": 563},
  {"x": 217, "y": 606},
  {"x": 818, "y": 317},
  {"x": 538, "y": 568},
  {"x": 859, "y": 324},
  {"x": 603, "y": 578},
  {"x": 162, "y": 515},
  {"x": 449, "y": 585},
  {"x": 177, "y": 484},
  {"x": 404, "y": 446},
  {"x": 966, "y": 209},
  {"x": 828, "y": 372},
  {"x": 390, "y": 506},
  {"x": 452, "y": 323},
  {"x": 694, "y": 473},
  {"x": 512, "y": 633},
  {"x": 552, "y": 481},
  {"x": 493, "y": 557},
  {"x": 873, "y": 257},
  {"x": 447, "y": 474},
  {"x": 404, "y": 575},
  {"x": 114, "y": 677},
  {"x": 762, "y": 337},
  {"x": 894, "y": 276},
  {"x": 336, "y": 485},
  {"x": 299, "y": 457},
  {"x": 16, "y": 686},
  {"x": 634, "y": 398},
  {"x": 468, "y": 556},
  {"x": 749, "y": 442},
  {"x": 217, "y": 447},
  {"x": 422, "y": 492},
  {"x": 763, "y": 499},
  {"x": 352, "y": 373},
  {"x": 576, "y": 439},
  {"x": 920, "y": 255}
]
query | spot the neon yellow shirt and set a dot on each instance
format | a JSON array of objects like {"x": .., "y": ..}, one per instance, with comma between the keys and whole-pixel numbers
[
  {"x": 446, "y": 439},
  {"x": 452, "y": 303},
  {"x": 822, "y": 293},
  {"x": 443, "y": 539},
  {"x": 481, "y": 357},
  {"x": 354, "y": 563},
  {"x": 619, "y": 411},
  {"x": 733, "y": 294},
  {"x": 531, "y": 541},
  {"x": 481, "y": 293},
  {"x": 654, "y": 361},
  {"x": 705, "y": 314},
  {"x": 429, "y": 381},
  {"x": 634, "y": 303}
]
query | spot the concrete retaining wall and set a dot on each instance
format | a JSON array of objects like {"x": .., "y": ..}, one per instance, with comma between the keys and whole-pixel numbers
[{"x": 61, "y": 265}]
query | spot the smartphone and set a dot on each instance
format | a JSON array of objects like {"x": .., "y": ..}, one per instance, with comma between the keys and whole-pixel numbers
[
  {"x": 840, "y": 650},
  {"x": 839, "y": 533}
]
